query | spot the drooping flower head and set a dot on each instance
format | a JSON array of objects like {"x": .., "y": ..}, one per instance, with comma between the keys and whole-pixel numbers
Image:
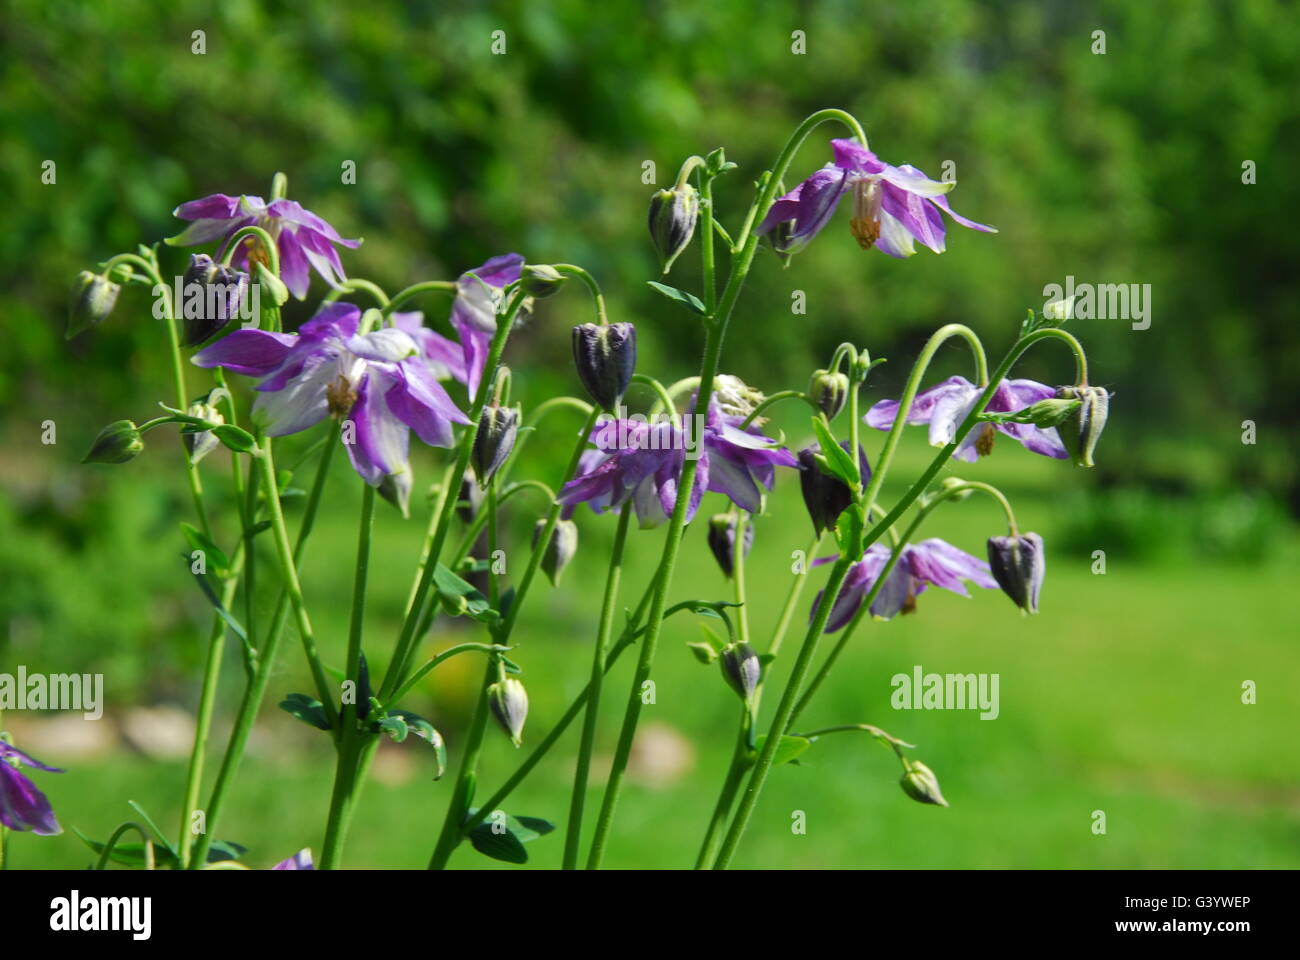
[
  {"x": 22, "y": 805},
  {"x": 641, "y": 461},
  {"x": 474, "y": 312},
  {"x": 930, "y": 562},
  {"x": 380, "y": 382},
  {"x": 945, "y": 406},
  {"x": 305, "y": 242},
  {"x": 892, "y": 206}
]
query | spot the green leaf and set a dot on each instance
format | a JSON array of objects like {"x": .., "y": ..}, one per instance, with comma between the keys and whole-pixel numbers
[
  {"x": 159, "y": 836},
  {"x": 423, "y": 729},
  {"x": 687, "y": 300},
  {"x": 786, "y": 750},
  {"x": 536, "y": 825},
  {"x": 307, "y": 709},
  {"x": 213, "y": 599},
  {"x": 213, "y": 555},
  {"x": 130, "y": 854},
  {"x": 503, "y": 846},
  {"x": 839, "y": 463},
  {"x": 455, "y": 589},
  {"x": 222, "y": 850},
  {"x": 236, "y": 438}
]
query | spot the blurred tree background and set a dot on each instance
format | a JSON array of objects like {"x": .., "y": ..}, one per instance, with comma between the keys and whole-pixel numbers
[{"x": 1122, "y": 167}]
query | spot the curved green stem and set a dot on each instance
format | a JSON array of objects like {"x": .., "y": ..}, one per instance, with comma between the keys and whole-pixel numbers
[
  {"x": 415, "y": 290},
  {"x": 354, "y": 285},
  {"x": 266, "y": 241},
  {"x": 109, "y": 846},
  {"x": 573, "y": 835},
  {"x": 432, "y": 664},
  {"x": 598, "y": 298}
]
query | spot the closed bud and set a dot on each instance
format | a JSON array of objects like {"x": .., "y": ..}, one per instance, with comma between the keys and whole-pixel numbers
[
  {"x": 722, "y": 540},
  {"x": 496, "y": 438},
  {"x": 1051, "y": 412},
  {"x": 672, "y": 221},
  {"x": 703, "y": 651},
  {"x": 605, "y": 356},
  {"x": 117, "y": 443},
  {"x": 509, "y": 702},
  {"x": 541, "y": 280},
  {"x": 211, "y": 297},
  {"x": 92, "y": 300},
  {"x": 830, "y": 391},
  {"x": 1018, "y": 565},
  {"x": 920, "y": 783},
  {"x": 454, "y": 604},
  {"x": 741, "y": 668},
  {"x": 563, "y": 545},
  {"x": 825, "y": 496},
  {"x": 396, "y": 489},
  {"x": 199, "y": 445},
  {"x": 1080, "y": 432}
]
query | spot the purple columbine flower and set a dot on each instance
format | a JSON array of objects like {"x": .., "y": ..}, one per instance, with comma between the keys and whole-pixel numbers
[
  {"x": 22, "y": 805},
  {"x": 474, "y": 312},
  {"x": 445, "y": 357},
  {"x": 305, "y": 241},
  {"x": 892, "y": 206},
  {"x": 932, "y": 561},
  {"x": 299, "y": 861},
  {"x": 945, "y": 407},
  {"x": 379, "y": 381},
  {"x": 641, "y": 462}
]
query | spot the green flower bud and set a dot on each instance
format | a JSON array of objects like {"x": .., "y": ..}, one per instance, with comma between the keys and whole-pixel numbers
[
  {"x": 541, "y": 280},
  {"x": 117, "y": 443},
  {"x": 830, "y": 391},
  {"x": 741, "y": 668},
  {"x": 1081, "y": 432},
  {"x": 563, "y": 545},
  {"x": 703, "y": 651},
  {"x": 672, "y": 221},
  {"x": 1051, "y": 412},
  {"x": 199, "y": 445},
  {"x": 509, "y": 702},
  {"x": 920, "y": 783},
  {"x": 93, "y": 298}
]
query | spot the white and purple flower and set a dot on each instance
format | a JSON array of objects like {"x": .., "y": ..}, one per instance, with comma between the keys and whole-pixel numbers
[
  {"x": 930, "y": 562},
  {"x": 304, "y": 241},
  {"x": 299, "y": 861},
  {"x": 892, "y": 206},
  {"x": 474, "y": 312},
  {"x": 945, "y": 406},
  {"x": 641, "y": 462},
  {"x": 22, "y": 805},
  {"x": 381, "y": 382}
]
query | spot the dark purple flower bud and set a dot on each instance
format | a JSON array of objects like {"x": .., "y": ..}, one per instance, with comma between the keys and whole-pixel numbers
[
  {"x": 830, "y": 391},
  {"x": 920, "y": 783},
  {"x": 825, "y": 496},
  {"x": 117, "y": 443},
  {"x": 1018, "y": 565},
  {"x": 1081, "y": 432},
  {"x": 722, "y": 540},
  {"x": 470, "y": 499},
  {"x": 92, "y": 300},
  {"x": 741, "y": 668},
  {"x": 211, "y": 296},
  {"x": 496, "y": 438},
  {"x": 541, "y": 280},
  {"x": 509, "y": 702},
  {"x": 672, "y": 221},
  {"x": 605, "y": 356},
  {"x": 563, "y": 545}
]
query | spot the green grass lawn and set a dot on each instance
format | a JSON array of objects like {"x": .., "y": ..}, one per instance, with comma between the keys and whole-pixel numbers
[{"x": 1123, "y": 695}]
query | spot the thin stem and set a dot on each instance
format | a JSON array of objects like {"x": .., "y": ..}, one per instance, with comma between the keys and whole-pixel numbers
[
  {"x": 415, "y": 289},
  {"x": 117, "y": 835},
  {"x": 354, "y": 285},
  {"x": 255, "y": 691},
  {"x": 289, "y": 574},
  {"x": 406, "y": 642},
  {"x": 424, "y": 671},
  {"x": 342, "y": 801},
  {"x": 738, "y": 575},
  {"x": 598, "y": 298},
  {"x": 730, "y": 786},
  {"x": 265, "y": 241},
  {"x": 573, "y": 837}
]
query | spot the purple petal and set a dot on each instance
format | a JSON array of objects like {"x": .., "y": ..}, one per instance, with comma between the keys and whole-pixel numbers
[
  {"x": 917, "y": 217},
  {"x": 851, "y": 155},
  {"x": 942, "y": 204},
  {"x": 912, "y": 180},
  {"x": 894, "y": 239},
  {"x": 23, "y": 806},
  {"x": 500, "y": 270},
  {"x": 380, "y": 443},
  {"x": 809, "y": 205},
  {"x": 254, "y": 353},
  {"x": 299, "y": 861},
  {"x": 420, "y": 401},
  {"x": 301, "y": 403},
  {"x": 386, "y": 345},
  {"x": 295, "y": 213},
  {"x": 216, "y": 206},
  {"x": 295, "y": 269}
]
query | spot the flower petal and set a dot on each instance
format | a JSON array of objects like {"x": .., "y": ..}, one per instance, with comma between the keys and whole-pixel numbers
[
  {"x": 254, "y": 353},
  {"x": 300, "y": 403}
]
